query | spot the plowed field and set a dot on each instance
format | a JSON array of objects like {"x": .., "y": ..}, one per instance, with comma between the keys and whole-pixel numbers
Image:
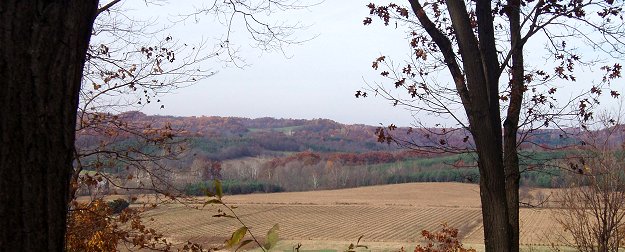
[{"x": 390, "y": 213}]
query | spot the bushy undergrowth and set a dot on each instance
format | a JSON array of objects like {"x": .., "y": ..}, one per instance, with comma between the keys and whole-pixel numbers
[
  {"x": 118, "y": 205},
  {"x": 442, "y": 241}
]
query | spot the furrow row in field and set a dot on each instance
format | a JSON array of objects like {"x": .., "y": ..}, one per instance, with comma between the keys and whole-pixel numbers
[
  {"x": 537, "y": 228},
  {"x": 317, "y": 222}
]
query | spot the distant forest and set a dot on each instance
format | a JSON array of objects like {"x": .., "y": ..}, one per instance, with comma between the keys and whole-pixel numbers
[{"x": 270, "y": 155}]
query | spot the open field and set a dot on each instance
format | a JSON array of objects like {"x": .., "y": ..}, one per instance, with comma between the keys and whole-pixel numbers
[{"x": 390, "y": 216}]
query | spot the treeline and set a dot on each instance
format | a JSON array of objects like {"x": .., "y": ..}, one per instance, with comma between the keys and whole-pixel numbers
[
  {"x": 231, "y": 187},
  {"x": 548, "y": 178},
  {"x": 305, "y": 171},
  {"x": 317, "y": 171},
  {"x": 302, "y": 171},
  {"x": 223, "y": 138},
  {"x": 268, "y": 154}
]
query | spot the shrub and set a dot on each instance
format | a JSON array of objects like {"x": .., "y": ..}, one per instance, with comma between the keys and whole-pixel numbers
[
  {"x": 592, "y": 207},
  {"x": 445, "y": 240},
  {"x": 90, "y": 227},
  {"x": 118, "y": 205}
]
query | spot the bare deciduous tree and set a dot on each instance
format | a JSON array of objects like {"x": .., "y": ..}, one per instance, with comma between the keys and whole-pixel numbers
[
  {"x": 592, "y": 206},
  {"x": 492, "y": 93}
]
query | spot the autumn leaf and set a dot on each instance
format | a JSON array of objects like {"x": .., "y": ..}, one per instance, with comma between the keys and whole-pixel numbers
[
  {"x": 236, "y": 237},
  {"x": 272, "y": 237},
  {"x": 367, "y": 21},
  {"x": 614, "y": 93}
]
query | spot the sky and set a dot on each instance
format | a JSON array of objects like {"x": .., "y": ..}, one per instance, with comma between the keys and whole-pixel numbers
[{"x": 314, "y": 79}]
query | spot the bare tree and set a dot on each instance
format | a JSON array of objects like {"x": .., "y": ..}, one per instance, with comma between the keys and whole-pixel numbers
[
  {"x": 263, "y": 32},
  {"x": 592, "y": 206},
  {"x": 132, "y": 63},
  {"x": 492, "y": 94}
]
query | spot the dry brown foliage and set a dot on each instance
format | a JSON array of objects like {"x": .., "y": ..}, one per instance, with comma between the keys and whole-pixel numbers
[
  {"x": 94, "y": 227},
  {"x": 445, "y": 240}
]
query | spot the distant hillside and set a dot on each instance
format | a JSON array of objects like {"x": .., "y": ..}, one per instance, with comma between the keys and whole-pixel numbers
[
  {"x": 268, "y": 154},
  {"x": 223, "y": 138}
]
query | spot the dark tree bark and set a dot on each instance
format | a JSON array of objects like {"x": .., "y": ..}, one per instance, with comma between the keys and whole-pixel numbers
[
  {"x": 478, "y": 87},
  {"x": 484, "y": 119},
  {"x": 510, "y": 125},
  {"x": 43, "y": 45}
]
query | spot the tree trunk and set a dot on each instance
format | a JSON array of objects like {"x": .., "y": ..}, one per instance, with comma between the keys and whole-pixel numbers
[
  {"x": 480, "y": 68},
  {"x": 42, "y": 53},
  {"x": 477, "y": 84},
  {"x": 495, "y": 212},
  {"x": 510, "y": 151}
]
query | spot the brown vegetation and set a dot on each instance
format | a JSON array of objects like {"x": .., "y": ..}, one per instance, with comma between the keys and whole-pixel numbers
[{"x": 592, "y": 207}]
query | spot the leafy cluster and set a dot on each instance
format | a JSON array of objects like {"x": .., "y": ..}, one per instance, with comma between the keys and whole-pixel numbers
[
  {"x": 94, "y": 226},
  {"x": 445, "y": 240}
]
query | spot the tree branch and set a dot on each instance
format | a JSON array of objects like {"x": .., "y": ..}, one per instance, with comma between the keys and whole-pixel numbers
[
  {"x": 448, "y": 53},
  {"x": 107, "y": 6}
]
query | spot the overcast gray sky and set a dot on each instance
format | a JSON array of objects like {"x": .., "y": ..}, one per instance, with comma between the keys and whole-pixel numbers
[{"x": 316, "y": 79}]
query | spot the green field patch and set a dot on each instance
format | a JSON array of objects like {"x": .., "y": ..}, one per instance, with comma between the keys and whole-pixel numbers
[{"x": 285, "y": 130}]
